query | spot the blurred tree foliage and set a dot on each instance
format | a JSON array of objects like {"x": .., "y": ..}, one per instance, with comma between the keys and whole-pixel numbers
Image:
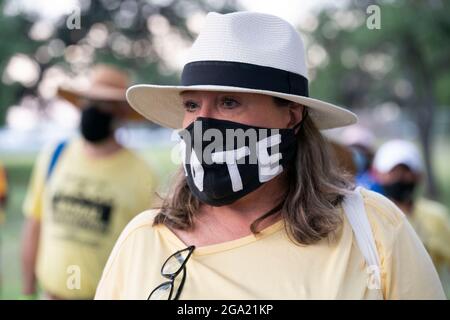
[
  {"x": 124, "y": 20},
  {"x": 406, "y": 61},
  {"x": 13, "y": 39}
]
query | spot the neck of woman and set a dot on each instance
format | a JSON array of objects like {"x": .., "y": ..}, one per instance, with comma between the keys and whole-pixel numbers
[{"x": 242, "y": 213}]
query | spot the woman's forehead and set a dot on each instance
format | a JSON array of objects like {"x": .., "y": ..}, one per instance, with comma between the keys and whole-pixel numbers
[{"x": 199, "y": 93}]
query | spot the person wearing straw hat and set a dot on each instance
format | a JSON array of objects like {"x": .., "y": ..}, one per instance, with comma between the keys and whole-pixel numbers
[
  {"x": 82, "y": 193},
  {"x": 259, "y": 210}
]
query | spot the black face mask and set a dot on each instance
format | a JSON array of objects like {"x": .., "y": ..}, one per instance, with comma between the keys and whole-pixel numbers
[
  {"x": 95, "y": 125},
  {"x": 221, "y": 171},
  {"x": 400, "y": 191}
]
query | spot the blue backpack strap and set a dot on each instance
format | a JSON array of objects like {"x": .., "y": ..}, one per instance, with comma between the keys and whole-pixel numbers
[{"x": 54, "y": 159}]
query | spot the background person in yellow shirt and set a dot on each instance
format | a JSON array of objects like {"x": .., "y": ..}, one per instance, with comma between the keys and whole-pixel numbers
[
  {"x": 243, "y": 223},
  {"x": 399, "y": 170},
  {"x": 82, "y": 194}
]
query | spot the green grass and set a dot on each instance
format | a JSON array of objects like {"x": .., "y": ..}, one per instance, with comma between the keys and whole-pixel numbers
[{"x": 19, "y": 169}]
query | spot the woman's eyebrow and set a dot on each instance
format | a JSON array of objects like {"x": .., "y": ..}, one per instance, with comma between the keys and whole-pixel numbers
[
  {"x": 187, "y": 92},
  {"x": 188, "y": 98}
]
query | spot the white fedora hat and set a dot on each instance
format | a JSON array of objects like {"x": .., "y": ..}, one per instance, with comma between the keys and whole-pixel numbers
[{"x": 240, "y": 52}]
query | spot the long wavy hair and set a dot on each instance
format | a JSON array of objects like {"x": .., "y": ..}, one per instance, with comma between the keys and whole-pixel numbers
[{"x": 316, "y": 186}]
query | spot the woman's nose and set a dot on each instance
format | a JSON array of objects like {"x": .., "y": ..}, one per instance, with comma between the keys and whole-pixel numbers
[{"x": 206, "y": 110}]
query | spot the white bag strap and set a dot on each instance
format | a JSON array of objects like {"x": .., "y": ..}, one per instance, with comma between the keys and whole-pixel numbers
[{"x": 353, "y": 206}]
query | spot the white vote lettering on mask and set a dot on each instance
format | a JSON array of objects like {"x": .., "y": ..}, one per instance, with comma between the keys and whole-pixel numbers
[
  {"x": 268, "y": 165},
  {"x": 197, "y": 171},
  {"x": 196, "y": 166},
  {"x": 230, "y": 158}
]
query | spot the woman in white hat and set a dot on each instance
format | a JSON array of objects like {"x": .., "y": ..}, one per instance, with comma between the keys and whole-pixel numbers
[{"x": 267, "y": 216}]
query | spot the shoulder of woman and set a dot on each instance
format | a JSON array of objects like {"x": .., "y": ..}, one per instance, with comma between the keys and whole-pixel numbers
[
  {"x": 381, "y": 211},
  {"x": 386, "y": 220}
]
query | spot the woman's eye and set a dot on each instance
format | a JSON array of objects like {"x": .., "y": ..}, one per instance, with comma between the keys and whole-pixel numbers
[
  {"x": 190, "y": 106},
  {"x": 230, "y": 103}
]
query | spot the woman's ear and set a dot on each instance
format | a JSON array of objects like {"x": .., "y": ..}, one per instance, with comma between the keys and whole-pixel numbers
[{"x": 296, "y": 114}]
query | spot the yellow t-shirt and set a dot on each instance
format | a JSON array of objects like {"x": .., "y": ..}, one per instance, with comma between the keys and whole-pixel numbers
[
  {"x": 83, "y": 207},
  {"x": 270, "y": 266},
  {"x": 431, "y": 220}
]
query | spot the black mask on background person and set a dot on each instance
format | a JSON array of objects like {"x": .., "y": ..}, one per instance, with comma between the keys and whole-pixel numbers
[
  {"x": 96, "y": 125},
  {"x": 400, "y": 191},
  {"x": 217, "y": 183}
]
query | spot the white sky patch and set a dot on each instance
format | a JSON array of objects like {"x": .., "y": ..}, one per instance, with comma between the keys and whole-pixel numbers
[
  {"x": 21, "y": 68},
  {"x": 50, "y": 10},
  {"x": 292, "y": 11}
]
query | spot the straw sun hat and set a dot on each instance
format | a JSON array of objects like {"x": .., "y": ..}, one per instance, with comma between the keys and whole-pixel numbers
[
  {"x": 106, "y": 83},
  {"x": 240, "y": 52}
]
